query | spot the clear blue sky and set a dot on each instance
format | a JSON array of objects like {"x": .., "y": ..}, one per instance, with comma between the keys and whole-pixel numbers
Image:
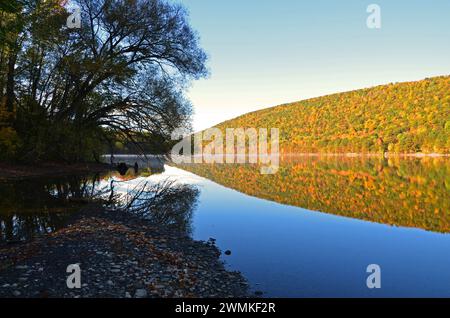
[{"x": 267, "y": 52}]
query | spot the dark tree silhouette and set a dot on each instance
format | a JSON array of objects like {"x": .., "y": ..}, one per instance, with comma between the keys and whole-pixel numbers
[{"x": 123, "y": 73}]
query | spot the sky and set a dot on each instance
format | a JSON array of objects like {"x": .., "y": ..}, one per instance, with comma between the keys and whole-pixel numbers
[{"x": 264, "y": 53}]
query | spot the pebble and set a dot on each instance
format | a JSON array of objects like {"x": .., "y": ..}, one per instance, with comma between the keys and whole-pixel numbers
[
  {"x": 176, "y": 268},
  {"x": 21, "y": 267},
  {"x": 140, "y": 293}
]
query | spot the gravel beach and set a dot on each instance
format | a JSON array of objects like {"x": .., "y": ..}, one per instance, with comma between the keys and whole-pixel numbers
[{"x": 120, "y": 256}]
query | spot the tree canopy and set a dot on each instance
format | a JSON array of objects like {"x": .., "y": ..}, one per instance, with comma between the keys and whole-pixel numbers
[{"x": 122, "y": 74}]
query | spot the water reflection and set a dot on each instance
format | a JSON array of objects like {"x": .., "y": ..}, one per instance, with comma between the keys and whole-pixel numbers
[
  {"x": 43, "y": 205},
  {"x": 401, "y": 192},
  {"x": 165, "y": 203}
]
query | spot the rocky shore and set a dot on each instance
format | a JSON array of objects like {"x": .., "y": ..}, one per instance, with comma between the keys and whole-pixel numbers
[{"x": 120, "y": 256}]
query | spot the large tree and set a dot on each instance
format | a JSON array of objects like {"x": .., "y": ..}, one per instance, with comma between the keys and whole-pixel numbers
[{"x": 123, "y": 72}]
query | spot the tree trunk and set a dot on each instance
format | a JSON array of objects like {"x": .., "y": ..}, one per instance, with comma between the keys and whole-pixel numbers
[{"x": 10, "y": 81}]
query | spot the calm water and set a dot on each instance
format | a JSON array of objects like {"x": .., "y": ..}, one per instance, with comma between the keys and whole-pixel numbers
[{"x": 314, "y": 227}]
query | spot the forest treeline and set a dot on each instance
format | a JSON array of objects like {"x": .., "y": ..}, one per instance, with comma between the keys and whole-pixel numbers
[
  {"x": 410, "y": 117},
  {"x": 70, "y": 94}
]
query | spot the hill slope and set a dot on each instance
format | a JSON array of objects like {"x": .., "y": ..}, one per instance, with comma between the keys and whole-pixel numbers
[{"x": 399, "y": 118}]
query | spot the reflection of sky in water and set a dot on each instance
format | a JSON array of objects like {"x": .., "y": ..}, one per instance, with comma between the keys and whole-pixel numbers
[
  {"x": 170, "y": 174},
  {"x": 293, "y": 252}
]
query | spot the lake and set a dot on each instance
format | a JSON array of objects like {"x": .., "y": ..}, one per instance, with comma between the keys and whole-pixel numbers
[{"x": 309, "y": 230}]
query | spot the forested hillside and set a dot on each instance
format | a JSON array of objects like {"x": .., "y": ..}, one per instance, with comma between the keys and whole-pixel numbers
[{"x": 397, "y": 118}]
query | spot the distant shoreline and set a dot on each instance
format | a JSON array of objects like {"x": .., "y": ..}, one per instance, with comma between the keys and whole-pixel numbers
[
  {"x": 17, "y": 171},
  {"x": 351, "y": 154}
]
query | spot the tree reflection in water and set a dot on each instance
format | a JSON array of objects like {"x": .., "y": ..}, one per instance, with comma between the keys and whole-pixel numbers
[
  {"x": 41, "y": 205},
  {"x": 407, "y": 192},
  {"x": 44, "y": 205},
  {"x": 165, "y": 203}
]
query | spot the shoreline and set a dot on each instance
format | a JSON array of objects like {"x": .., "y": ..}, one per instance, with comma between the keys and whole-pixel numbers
[
  {"x": 10, "y": 171},
  {"x": 362, "y": 155},
  {"x": 120, "y": 256}
]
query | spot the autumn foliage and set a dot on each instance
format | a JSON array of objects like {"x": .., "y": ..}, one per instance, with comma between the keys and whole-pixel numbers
[{"x": 408, "y": 117}]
